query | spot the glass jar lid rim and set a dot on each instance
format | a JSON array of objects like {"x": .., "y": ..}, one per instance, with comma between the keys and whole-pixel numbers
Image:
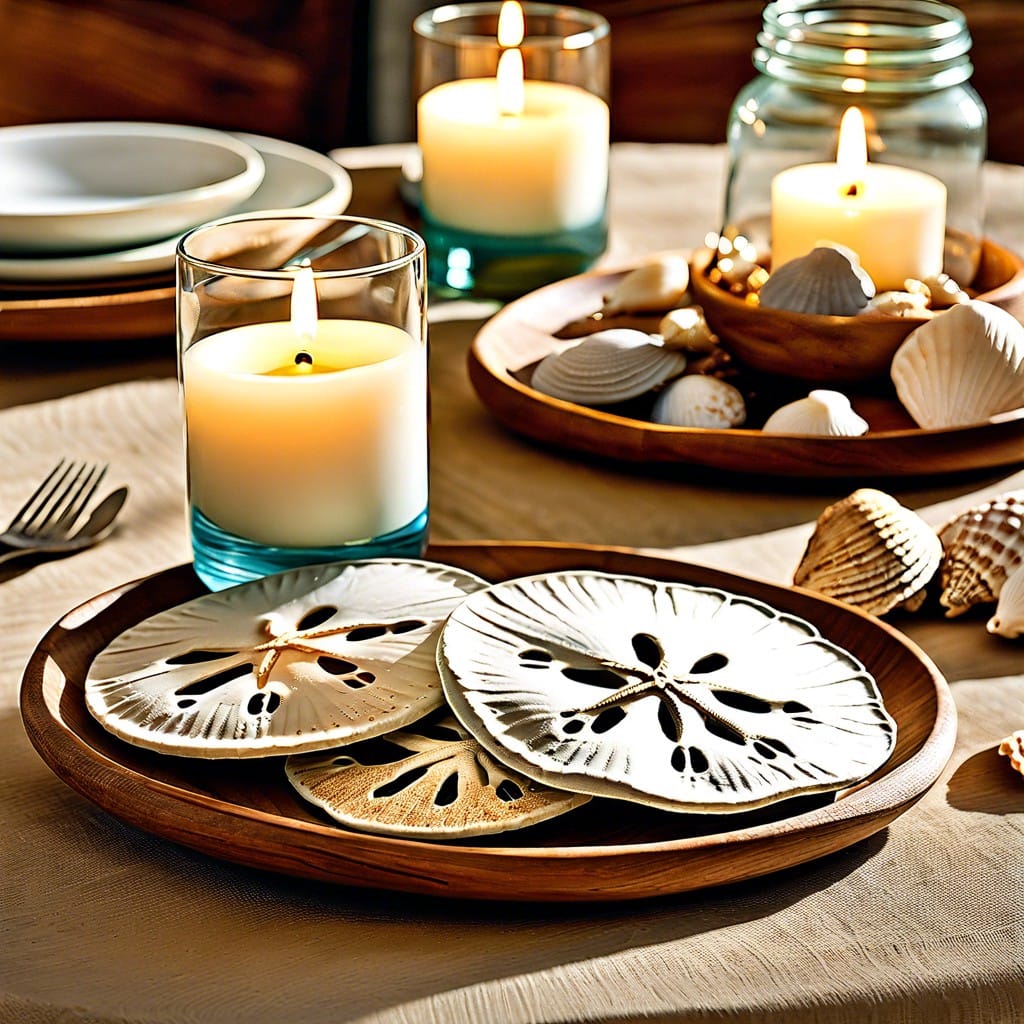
[{"x": 437, "y": 24}]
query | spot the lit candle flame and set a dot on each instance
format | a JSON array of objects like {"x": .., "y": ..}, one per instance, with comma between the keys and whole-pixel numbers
[
  {"x": 511, "y": 31},
  {"x": 304, "y": 306},
  {"x": 511, "y": 24},
  {"x": 852, "y": 152}
]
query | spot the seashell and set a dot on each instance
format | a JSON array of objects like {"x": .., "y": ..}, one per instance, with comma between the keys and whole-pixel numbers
[
  {"x": 1008, "y": 619},
  {"x": 607, "y": 367},
  {"x": 1013, "y": 748},
  {"x": 687, "y": 329},
  {"x": 981, "y": 547},
  {"x": 825, "y": 413},
  {"x": 698, "y": 401},
  {"x": 871, "y": 552},
  {"x": 302, "y": 660},
  {"x": 680, "y": 697},
  {"x": 430, "y": 780},
  {"x": 961, "y": 367},
  {"x": 653, "y": 287},
  {"x": 901, "y": 304},
  {"x": 828, "y": 281},
  {"x": 941, "y": 289}
]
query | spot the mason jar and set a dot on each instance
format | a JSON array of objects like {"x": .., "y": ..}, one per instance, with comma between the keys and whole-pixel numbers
[{"x": 905, "y": 64}]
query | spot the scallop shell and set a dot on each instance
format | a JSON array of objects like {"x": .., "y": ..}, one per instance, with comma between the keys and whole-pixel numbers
[
  {"x": 656, "y": 286},
  {"x": 688, "y": 330},
  {"x": 1008, "y": 619},
  {"x": 698, "y": 401},
  {"x": 303, "y": 660},
  {"x": 829, "y": 281},
  {"x": 871, "y": 552},
  {"x": 680, "y": 697},
  {"x": 825, "y": 413},
  {"x": 961, "y": 367},
  {"x": 941, "y": 289},
  {"x": 607, "y": 367},
  {"x": 910, "y": 304},
  {"x": 1013, "y": 748},
  {"x": 430, "y": 780},
  {"x": 982, "y": 546}
]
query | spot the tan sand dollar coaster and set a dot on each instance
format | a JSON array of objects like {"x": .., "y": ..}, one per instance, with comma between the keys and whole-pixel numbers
[
  {"x": 684, "y": 698},
  {"x": 303, "y": 660},
  {"x": 430, "y": 779}
]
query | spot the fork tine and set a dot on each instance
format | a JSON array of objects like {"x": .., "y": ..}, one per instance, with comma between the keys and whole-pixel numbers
[
  {"x": 78, "y": 501},
  {"x": 55, "y": 478}
]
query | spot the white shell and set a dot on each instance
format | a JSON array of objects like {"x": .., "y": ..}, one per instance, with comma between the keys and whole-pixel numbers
[
  {"x": 828, "y": 281},
  {"x": 687, "y": 329},
  {"x": 684, "y": 698},
  {"x": 825, "y": 413},
  {"x": 961, "y": 367},
  {"x": 656, "y": 286},
  {"x": 871, "y": 552},
  {"x": 303, "y": 660},
  {"x": 1008, "y": 619},
  {"x": 698, "y": 401},
  {"x": 607, "y": 367},
  {"x": 981, "y": 547},
  {"x": 912, "y": 304},
  {"x": 428, "y": 780}
]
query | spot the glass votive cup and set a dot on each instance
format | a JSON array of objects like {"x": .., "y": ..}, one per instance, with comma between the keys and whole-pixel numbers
[
  {"x": 514, "y": 192},
  {"x": 302, "y": 360}
]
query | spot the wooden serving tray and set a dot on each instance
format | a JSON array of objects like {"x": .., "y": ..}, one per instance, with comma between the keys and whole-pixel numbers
[
  {"x": 520, "y": 335},
  {"x": 245, "y": 811}
]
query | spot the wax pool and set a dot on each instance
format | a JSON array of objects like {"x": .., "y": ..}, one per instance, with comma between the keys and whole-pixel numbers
[
  {"x": 538, "y": 172},
  {"x": 297, "y": 455}
]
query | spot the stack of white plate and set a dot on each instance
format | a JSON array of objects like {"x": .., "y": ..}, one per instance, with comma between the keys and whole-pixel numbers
[{"x": 100, "y": 200}]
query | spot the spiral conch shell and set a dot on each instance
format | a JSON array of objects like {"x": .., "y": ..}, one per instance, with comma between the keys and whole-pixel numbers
[
  {"x": 826, "y": 413},
  {"x": 829, "y": 281},
  {"x": 961, "y": 367},
  {"x": 607, "y": 367},
  {"x": 656, "y": 286},
  {"x": 698, "y": 401},
  {"x": 1013, "y": 748},
  {"x": 982, "y": 546},
  {"x": 1008, "y": 619},
  {"x": 871, "y": 552}
]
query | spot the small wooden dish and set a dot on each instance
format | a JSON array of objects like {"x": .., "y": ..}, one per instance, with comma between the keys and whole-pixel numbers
[
  {"x": 834, "y": 350},
  {"x": 247, "y": 813}
]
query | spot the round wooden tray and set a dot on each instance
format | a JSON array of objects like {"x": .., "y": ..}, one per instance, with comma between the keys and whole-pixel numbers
[
  {"x": 247, "y": 813},
  {"x": 517, "y": 337}
]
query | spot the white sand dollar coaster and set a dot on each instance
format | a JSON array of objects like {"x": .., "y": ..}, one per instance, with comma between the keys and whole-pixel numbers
[
  {"x": 303, "y": 660},
  {"x": 684, "y": 698},
  {"x": 431, "y": 780}
]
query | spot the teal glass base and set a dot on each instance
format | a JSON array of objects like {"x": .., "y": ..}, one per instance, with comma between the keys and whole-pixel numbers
[
  {"x": 462, "y": 264},
  {"x": 224, "y": 560}
]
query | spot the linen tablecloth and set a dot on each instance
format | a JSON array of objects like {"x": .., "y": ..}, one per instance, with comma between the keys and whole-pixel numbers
[{"x": 103, "y": 923}]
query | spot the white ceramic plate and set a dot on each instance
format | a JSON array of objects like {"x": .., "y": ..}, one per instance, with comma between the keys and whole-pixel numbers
[
  {"x": 81, "y": 186},
  {"x": 295, "y": 179}
]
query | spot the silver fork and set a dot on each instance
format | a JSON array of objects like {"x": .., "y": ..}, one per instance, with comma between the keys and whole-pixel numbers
[{"x": 44, "y": 523}]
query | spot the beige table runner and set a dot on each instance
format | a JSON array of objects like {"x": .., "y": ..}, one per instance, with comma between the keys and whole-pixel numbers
[{"x": 103, "y": 923}]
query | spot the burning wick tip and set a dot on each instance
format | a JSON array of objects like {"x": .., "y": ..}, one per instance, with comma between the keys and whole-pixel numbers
[{"x": 303, "y": 358}]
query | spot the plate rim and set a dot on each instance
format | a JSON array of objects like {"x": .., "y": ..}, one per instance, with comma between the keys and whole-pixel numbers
[
  {"x": 596, "y": 432},
  {"x": 116, "y": 786}
]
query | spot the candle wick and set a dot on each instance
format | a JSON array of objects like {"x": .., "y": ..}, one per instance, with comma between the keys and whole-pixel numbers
[
  {"x": 303, "y": 357},
  {"x": 853, "y": 190}
]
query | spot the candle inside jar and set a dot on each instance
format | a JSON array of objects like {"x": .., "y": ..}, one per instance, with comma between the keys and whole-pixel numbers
[
  {"x": 893, "y": 218},
  {"x": 307, "y": 436}
]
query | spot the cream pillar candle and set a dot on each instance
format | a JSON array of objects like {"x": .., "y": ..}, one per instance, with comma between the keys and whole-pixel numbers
[{"x": 894, "y": 218}]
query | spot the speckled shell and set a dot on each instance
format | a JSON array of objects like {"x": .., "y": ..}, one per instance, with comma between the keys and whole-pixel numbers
[
  {"x": 871, "y": 552},
  {"x": 656, "y": 286},
  {"x": 607, "y": 367},
  {"x": 1008, "y": 619},
  {"x": 825, "y": 413},
  {"x": 961, "y": 367},
  {"x": 1013, "y": 748},
  {"x": 829, "y": 281},
  {"x": 981, "y": 547},
  {"x": 697, "y": 401}
]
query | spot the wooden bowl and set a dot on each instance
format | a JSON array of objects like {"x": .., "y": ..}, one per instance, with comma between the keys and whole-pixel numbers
[{"x": 834, "y": 349}]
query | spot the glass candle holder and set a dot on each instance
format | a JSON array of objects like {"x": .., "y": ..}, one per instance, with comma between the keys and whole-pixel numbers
[
  {"x": 513, "y": 130},
  {"x": 303, "y": 368},
  {"x": 905, "y": 64}
]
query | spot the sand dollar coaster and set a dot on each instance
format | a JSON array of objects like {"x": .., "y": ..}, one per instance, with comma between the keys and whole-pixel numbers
[
  {"x": 303, "y": 660},
  {"x": 430, "y": 779},
  {"x": 685, "y": 698}
]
